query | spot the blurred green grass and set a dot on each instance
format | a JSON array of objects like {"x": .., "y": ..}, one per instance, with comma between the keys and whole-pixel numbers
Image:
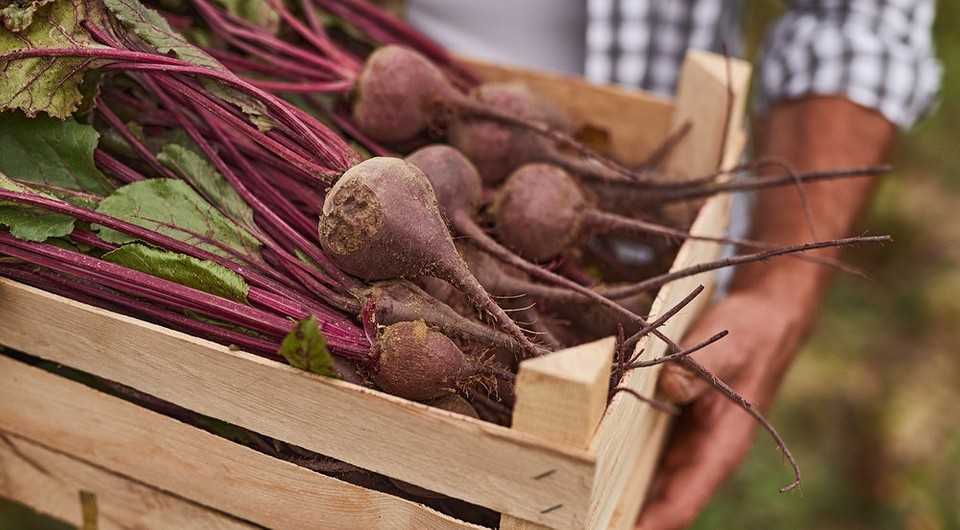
[{"x": 871, "y": 406}]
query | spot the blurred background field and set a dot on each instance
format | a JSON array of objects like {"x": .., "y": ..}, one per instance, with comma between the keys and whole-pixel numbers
[{"x": 872, "y": 407}]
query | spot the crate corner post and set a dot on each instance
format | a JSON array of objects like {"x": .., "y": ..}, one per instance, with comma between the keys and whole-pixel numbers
[{"x": 561, "y": 398}]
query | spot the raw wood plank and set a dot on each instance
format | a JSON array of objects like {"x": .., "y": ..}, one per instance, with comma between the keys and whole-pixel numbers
[
  {"x": 715, "y": 138},
  {"x": 173, "y": 456},
  {"x": 49, "y": 481},
  {"x": 561, "y": 398},
  {"x": 628, "y": 422},
  {"x": 372, "y": 430},
  {"x": 702, "y": 96},
  {"x": 632, "y": 498},
  {"x": 626, "y": 123},
  {"x": 702, "y": 100}
]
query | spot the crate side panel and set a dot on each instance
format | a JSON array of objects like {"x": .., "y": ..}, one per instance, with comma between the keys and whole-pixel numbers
[
  {"x": 372, "y": 430},
  {"x": 173, "y": 456},
  {"x": 628, "y": 421},
  {"x": 635, "y": 491},
  {"x": 50, "y": 481},
  {"x": 715, "y": 140},
  {"x": 561, "y": 398}
]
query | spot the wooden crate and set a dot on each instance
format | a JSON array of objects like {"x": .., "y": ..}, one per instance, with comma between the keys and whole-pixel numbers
[{"x": 569, "y": 461}]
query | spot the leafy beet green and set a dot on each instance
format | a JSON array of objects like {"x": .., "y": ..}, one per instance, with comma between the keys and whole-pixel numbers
[
  {"x": 48, "y": 151},
  {"x": 173, "y": 208},
  {"x": 29, "y": 223},
  {"x": 305, "y": 347},
  {"x": 41, "y": 85},
  {"x": 186, "y": 270},
  {"x": 187, "y": 161}
]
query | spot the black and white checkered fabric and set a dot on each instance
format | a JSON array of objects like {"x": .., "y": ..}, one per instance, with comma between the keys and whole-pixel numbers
[{"x": 878, "y": 53}]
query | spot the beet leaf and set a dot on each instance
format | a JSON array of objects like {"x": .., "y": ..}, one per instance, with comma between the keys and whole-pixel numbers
[
  {"x": 173, "y": 208},
  {"x": 305, "y": 347},
  {"x": 186, "y": 160},
  {"x": 48, "y": 151},
  {"x": 42, "y": 84},
  {"x": 28, "y": 223},
  {"x": 186, "y": 270}
]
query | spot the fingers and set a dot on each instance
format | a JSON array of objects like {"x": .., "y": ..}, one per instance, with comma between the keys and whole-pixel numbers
[{"x": 710, "y": 440}]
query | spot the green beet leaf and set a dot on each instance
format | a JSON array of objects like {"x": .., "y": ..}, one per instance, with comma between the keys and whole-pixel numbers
[
  {"x": 50, "y": 85},
  {"x": 173, "y": 208},
  {"x": 51, "y": 152},
  {"x": 186, "y": 270},
  {"x": 200, "y": 173},
  {"x": 305, "y": 347},
  {"x": 28, "y": 223},
  {"x": 17, "y": 16}
]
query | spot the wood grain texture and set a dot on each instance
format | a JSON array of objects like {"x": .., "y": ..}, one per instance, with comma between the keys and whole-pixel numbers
[
  {"x": 703, "y": 94},
  {"x": 629, "y": 425},
  {"x": 625, "y": 123},
  {"x": 173, "y": 456},
  {"x": 398, "y": 438},
  {"x": 634, "y": 493},
  {"x": 561, "y": 398},
  {"x": 49, "y": 482},
  {"x": 704, "y": 101}
]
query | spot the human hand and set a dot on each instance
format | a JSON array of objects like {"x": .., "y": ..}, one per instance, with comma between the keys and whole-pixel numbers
[{"x": 713, "y": 434}]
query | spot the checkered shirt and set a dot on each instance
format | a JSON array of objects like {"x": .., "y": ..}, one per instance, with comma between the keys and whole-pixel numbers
[{"x": 877, "y": 53}]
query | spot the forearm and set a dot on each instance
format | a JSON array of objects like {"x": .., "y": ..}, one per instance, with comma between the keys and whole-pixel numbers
[
  {"x": 812, "y": 134},
  {"x": 809, "y": 134}
]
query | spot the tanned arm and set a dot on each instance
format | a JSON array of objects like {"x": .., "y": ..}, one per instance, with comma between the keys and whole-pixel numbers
[{"x": 771, "y": 305}]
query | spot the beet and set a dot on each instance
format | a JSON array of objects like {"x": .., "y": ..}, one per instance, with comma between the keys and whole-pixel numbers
[
  {"x": 495, "y": 148},
  {"x": 397, "y": 94},
  {"x": 539, "y": 212},
  {"x": 454, "y": 178},
  {"x": 542, "y": 211},
  {"x": 380, "y": 221},
  {"x": 418, "y": 363}
]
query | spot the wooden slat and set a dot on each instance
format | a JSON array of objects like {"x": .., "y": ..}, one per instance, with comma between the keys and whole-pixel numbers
[
  {"x": 631, "y": 123},
  {"x": 561, "y": 398},
  {"x": 49, "y": 481},
  {"x": 631, "y": 499},
  {"x": 702, "y": 96},
  {"x": 702, "y": 100},
  {"x": 628, "y": 423},
  {"x": 173, "y": 456},
  {"x": 465, "y": 458}
]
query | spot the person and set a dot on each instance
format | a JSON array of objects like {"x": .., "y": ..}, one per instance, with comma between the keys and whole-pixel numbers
[{"x": 837, "y": 79}]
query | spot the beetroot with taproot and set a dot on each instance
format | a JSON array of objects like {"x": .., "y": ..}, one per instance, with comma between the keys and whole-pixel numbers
[
  {"x": 380, "y": 221},
  {"x": 399, "y": 300},
  {"x": 542, "y": 211},
  {"x": 495, "y": 148},
  {"x": 459, "y": 196}
]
